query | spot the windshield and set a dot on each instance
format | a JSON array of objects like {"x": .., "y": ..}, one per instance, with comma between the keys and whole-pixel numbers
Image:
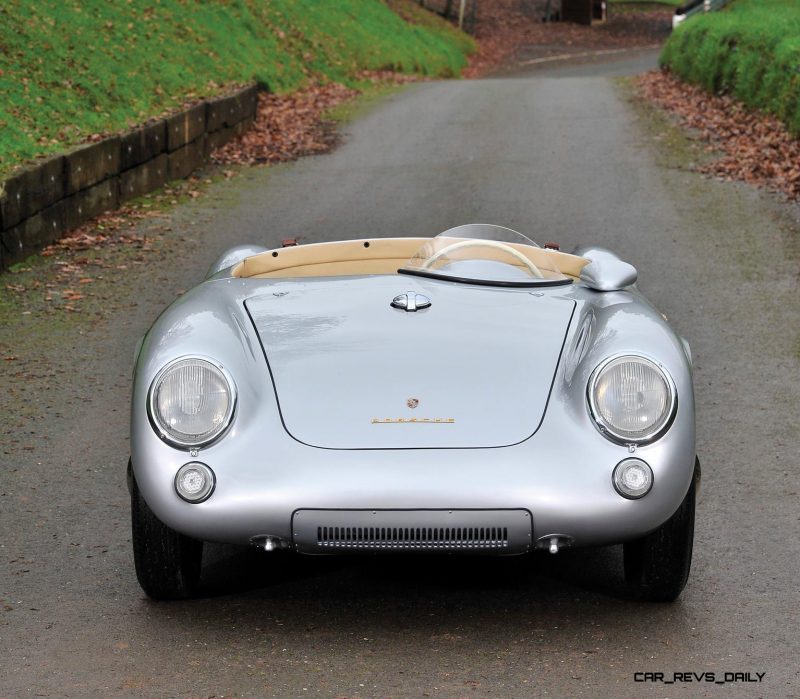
[{"x": 480, "y": 253}]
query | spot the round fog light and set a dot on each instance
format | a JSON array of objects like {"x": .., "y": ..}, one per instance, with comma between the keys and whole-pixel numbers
[
  {"x": 194, "y": 482},
  {"x": 633, "y": 478}
]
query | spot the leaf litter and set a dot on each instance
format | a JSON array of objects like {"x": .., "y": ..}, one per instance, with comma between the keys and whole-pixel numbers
[{"x": 755, "y": 148}]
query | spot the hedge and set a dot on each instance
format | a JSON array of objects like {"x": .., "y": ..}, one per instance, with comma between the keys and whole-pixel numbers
[{"x": 750, "y": 50}]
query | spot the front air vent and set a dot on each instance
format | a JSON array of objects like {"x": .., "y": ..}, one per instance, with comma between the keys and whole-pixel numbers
[
  {"x": 443, "y": 531},
  {"x": 419, "y": 538}
]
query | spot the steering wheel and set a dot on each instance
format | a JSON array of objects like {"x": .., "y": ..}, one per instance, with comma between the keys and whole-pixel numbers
[{"x": 459, "y": 245}]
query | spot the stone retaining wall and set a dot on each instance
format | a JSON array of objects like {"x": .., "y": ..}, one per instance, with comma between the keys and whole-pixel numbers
[{"x": 43, "y": 201}]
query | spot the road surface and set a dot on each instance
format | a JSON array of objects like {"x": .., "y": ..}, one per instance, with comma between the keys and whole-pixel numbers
[{"x": 558, "y": 154}]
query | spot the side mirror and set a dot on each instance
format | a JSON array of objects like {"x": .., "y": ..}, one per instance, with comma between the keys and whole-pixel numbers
[{"x": 605, "y": 271}]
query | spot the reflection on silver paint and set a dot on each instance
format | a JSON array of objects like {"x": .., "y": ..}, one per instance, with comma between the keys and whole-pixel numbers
[{"x": 578, "y": 349}]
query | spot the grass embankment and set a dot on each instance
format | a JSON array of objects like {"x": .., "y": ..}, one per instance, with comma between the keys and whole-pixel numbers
[
  {"x": 73, "y": 68},
  {"x": 750, "y": 50}
]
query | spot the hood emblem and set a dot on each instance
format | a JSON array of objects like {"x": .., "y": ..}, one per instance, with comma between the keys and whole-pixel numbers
[
  {"x": 412, "y": 402},
  {"x": 411, "y": 301}
]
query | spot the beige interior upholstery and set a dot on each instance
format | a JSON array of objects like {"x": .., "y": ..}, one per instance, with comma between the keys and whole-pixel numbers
[{"x": 372, "y": 256}]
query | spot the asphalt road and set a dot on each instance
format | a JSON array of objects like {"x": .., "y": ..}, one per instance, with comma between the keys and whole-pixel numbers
[{"x": 558, "y": 154}]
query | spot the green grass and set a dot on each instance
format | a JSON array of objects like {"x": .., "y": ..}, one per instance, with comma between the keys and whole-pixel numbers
[
  {"x": 72, "y": 68},
  {"x": 750, "y": 50}
]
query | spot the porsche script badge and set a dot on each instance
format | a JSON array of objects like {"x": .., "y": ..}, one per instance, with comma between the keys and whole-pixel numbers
[{"x": 413, "y": 420}]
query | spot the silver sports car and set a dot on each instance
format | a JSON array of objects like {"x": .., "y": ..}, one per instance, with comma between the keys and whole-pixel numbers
[{"x": 471, "y": 393}]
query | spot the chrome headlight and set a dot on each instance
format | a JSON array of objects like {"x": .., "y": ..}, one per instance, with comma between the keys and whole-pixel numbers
[
  {"x": 191, "y": 402},
  {"x": 632, "y": 399}
]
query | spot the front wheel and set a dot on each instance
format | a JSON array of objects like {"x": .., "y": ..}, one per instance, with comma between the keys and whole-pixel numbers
[
  {"x": 167, "y": 562},
  {"x": 657, "y": 565}
]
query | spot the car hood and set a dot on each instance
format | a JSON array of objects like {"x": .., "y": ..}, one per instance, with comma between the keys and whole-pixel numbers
[{"x": 475, "y": 369}]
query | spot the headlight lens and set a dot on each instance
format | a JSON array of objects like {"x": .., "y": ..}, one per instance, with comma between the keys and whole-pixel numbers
[
  {"x": 631, "y": 398},
  {"x": 191, "y": 402}
]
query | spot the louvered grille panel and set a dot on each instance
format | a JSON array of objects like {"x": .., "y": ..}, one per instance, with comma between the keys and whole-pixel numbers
[
  {"x": 452, "y": 531},
  {"x": 413, "y": 537}
]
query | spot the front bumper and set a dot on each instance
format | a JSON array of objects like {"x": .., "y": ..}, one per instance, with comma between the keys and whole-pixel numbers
[{"x": 568, "y": 496}]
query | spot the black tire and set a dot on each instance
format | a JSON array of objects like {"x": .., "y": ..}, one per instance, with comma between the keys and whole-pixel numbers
[
  {"x": 657, "y": 565},
  {"x": 167, "y": 563}
]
